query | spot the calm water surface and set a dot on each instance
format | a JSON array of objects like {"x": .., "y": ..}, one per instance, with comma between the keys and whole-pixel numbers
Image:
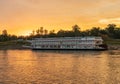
[{"x": 59, "y": 67}]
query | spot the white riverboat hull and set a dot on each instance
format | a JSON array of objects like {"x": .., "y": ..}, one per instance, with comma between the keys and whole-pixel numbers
[{"x": 68, "y": 43}]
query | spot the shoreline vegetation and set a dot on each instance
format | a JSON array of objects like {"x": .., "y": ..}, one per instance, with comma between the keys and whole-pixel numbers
[
  {"x": 14, "y": 45},
  {"x": 110, "y": 35},
  {"x": 113, "y": 44}
]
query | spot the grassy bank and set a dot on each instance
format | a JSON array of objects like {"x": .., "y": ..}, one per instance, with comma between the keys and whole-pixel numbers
[
  {"x": 13, "y": 45},
  {"x": 113, "y": 43}
]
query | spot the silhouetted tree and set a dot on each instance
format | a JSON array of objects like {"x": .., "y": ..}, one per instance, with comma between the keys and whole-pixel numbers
[
  {"x": 95, "y": 31},
  {"x": 38, "y": 31},
  {"x": 61, "y": 33},
  {"x": 76, "y": 30},
  {"x": 4, "y": 32},
  {"x": 41, "y": 30},
  {"x": 116, "y": 33},
  {"x": 110, "y": 30},
  {"x": 45, "y": 31},
  {"x": 52, "y": 33},
  {"x": 33, "y": 32},
  {"x": 85, "y": 33}
]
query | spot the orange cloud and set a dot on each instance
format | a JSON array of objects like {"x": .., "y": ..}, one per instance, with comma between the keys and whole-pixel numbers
[{"x": 111, "y": 20}]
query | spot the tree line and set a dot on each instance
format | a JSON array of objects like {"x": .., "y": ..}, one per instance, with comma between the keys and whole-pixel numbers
[{"x": 111, "y": 31}]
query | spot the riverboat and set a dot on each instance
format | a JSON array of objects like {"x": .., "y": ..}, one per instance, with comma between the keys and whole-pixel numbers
[{"x": 68, "y": 43}]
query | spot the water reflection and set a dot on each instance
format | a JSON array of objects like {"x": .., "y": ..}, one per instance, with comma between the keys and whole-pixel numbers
[{"x": 59, "y": 67}]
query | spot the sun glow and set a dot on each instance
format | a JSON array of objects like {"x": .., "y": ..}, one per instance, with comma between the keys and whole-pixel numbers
[
  {"x": 23, "y": 16},
  {"x": 24, "y": 33}
]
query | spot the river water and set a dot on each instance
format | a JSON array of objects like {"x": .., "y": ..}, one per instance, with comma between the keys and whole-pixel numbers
[{"x": 59, "y": 67}]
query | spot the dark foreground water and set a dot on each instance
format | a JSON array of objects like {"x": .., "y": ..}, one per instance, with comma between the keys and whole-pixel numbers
[{"x": 59, "y": 67}]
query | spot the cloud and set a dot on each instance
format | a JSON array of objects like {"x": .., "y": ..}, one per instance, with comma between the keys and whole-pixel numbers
[{"x": 111, "y": 20}]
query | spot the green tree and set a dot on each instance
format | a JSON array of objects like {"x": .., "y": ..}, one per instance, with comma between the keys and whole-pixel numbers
[
  {"x": 111, "y": 30},
  {"x": 117, "y": 33},
  {"x": 61, "y": 33},
  {"x": 85, "y": 33},
  {"x": 95, "y": 31}
]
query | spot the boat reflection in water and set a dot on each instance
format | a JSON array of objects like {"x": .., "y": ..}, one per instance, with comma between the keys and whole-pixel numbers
[{"x": 59, "y": 67}]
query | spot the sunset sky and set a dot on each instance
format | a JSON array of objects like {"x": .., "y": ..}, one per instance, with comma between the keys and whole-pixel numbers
[{"x": 20, "y": 17}]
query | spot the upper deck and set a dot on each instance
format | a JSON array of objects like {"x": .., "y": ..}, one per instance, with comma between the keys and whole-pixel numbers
[{"x": 67, "y": 38}]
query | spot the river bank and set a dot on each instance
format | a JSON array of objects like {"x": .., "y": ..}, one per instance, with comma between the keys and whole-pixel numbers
[
  {"x": 112, "y": 45},
  {"x": 14, "y": 45}
]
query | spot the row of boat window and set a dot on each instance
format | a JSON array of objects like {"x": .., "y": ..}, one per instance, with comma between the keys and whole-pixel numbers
[
  {"x": 66, "y": 41},
  {"x": 63, "y": 43}
]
